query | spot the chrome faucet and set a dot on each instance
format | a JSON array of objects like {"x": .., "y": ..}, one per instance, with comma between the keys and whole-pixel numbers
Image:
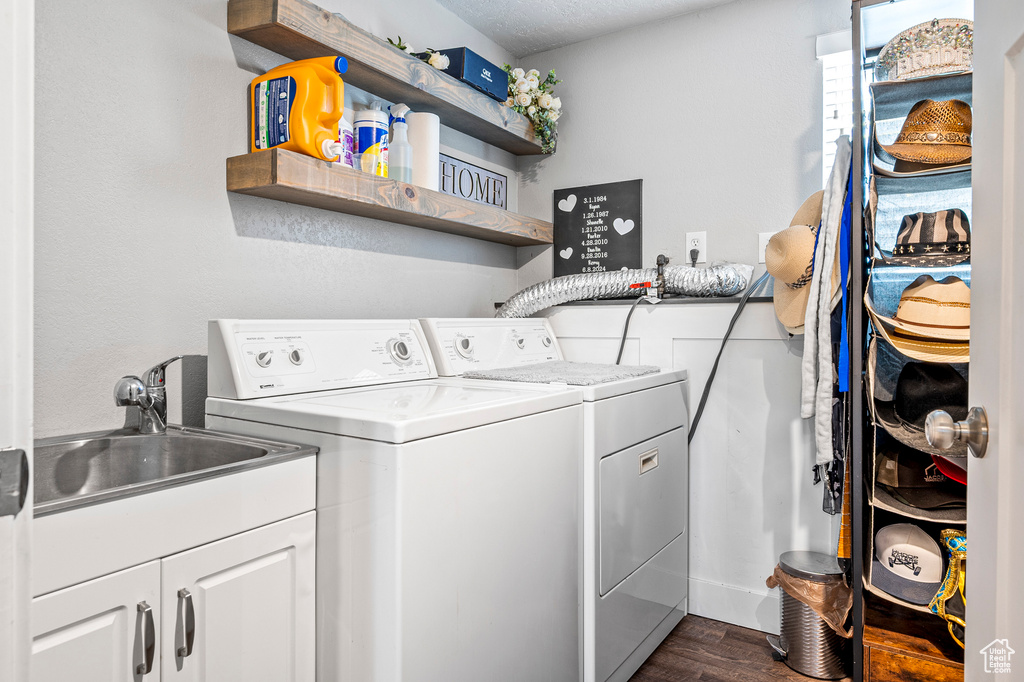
[{"x": 149, "y": 396}]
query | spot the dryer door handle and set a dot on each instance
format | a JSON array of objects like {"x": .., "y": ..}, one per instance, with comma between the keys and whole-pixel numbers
[{"x": 648, "y": 461}]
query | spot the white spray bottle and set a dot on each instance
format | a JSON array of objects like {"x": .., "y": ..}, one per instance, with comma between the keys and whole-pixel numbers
[{"x": 399, "y": 149}]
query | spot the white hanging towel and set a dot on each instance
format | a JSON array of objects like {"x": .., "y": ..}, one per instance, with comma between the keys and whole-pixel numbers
[{"x": 816, "y": 368}]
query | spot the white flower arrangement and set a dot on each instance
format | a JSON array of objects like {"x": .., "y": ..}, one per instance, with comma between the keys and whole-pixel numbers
[
  {"x": 437, "y": 60},
  {"x": 527, "y": 93},
  {"x": 430, "y": 56},
  {"x": 535, "y": 99}
]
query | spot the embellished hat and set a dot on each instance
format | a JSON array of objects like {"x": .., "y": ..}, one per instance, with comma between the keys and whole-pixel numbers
[
  {"x": 938, "y": 239},
  {"x": 935, "y": 47},
  {"x": 789, "y": 258},
  {"x": 934, "y": 133},
  {"x": 932, "y": 321}
]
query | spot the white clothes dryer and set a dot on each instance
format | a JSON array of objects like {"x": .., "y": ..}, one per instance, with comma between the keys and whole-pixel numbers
[
  {"x": 634, "y": 485},
  {"x": 447, "y": 514}
]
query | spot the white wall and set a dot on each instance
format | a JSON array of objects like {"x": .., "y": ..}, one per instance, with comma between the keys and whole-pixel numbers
[
  {"x": 751, "y": 496},
  {"x": 718, "y": 111},
  {"x": 139, "y": 103}
]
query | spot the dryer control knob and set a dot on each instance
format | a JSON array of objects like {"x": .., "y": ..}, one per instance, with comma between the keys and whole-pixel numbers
[
  {"x": 520, "y": 343},
  {"x": 264, "y": 357},
  {"x": 464, "y": 347},
  {"x": 546, "y": 341},
  {"x": 399, "y": 351}
]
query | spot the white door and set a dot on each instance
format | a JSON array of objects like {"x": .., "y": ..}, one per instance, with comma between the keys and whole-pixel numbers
[
  {"x": 995, "y": 511},
  {"x": 16, "y": 76},
  {"x": 242, "y": 609},
  {"x": 103, "y": 630}
]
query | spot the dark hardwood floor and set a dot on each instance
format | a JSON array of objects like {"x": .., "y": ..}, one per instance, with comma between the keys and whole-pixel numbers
[{"x": 707, "y": 650}]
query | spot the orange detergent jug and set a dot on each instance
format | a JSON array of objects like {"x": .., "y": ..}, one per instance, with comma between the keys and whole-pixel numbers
[{"x": 296, "y": 106}]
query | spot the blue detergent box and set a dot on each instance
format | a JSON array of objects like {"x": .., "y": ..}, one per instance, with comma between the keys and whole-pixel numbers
[{"x": 477, "y": 72}]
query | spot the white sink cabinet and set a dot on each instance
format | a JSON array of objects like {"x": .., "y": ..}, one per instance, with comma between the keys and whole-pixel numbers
[
  {"x": 242, "y": 544},
  {"x": 252, "y": 601},
  {"x": 93, "y": 632}
]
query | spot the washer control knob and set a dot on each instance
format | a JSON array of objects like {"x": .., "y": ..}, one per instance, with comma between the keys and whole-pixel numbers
[
  {"x": 264, "y": 357},
  {"x": 546, "y": 341},
  {"x": 296, "y": 356},
  {"x": 399, "y": 351},
  {"x": 464, "y": 347},
  {"x": 520, "y": 343}
]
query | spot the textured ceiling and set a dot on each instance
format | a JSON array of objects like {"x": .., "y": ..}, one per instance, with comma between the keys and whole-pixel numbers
[{"x": 525, "y": 27}]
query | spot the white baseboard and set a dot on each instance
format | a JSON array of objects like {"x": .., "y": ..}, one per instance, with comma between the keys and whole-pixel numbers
[{"x": 755, "y": 610}]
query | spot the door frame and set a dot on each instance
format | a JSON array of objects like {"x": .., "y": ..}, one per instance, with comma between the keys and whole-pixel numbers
[{"x": 17, "y": 75}]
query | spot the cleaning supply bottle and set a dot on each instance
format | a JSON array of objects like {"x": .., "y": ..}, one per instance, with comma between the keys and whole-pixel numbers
[
  {"x": 399, "y": 150},
  {"x": 296, "y": 106},
  {"x": 346, "y": 139},
  {"x": 371, "y": 131}
]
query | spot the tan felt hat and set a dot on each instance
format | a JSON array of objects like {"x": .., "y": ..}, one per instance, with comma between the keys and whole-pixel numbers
[
  {"x": 932, "y": 322},
  {"x": 789, "y": 258},
  {"x": 934, "y": 133}
]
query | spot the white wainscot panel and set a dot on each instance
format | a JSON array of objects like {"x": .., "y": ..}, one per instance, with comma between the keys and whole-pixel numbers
[{"x": 751, "y": 492}]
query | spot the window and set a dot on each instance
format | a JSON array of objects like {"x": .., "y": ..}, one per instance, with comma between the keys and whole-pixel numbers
[
  {"x": 834, "y": 51},
  {"x": 837, "y": 105}
]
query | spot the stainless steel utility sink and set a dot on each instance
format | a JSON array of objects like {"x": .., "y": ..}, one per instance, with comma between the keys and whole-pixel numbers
[{"x": 82, "y": 469}]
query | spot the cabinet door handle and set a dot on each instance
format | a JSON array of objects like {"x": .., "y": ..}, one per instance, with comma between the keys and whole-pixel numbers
[
  {"x": 13, "y": 481},
  {"x": 149, "y": 639},
  {"x": 190, "y": 624}
]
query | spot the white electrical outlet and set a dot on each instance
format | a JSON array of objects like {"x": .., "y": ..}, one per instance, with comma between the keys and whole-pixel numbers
[
  {"x": 699, "y": 241},
  {"x": 762, "y": 244}
]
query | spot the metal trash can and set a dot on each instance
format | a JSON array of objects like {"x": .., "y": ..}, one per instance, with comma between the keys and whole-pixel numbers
[{"x": 806, "y": 642}]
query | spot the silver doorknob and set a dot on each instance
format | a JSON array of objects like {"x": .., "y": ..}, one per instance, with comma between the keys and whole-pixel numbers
[{"x": 941, "y": 431}]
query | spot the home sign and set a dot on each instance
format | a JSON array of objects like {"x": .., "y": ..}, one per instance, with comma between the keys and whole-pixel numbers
[{"x": 464, "y": 180}]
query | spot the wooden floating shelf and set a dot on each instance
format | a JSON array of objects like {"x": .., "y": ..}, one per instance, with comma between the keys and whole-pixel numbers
[
  {"x": 300, "y": 179},
  {"x": 300, "y": 30}
]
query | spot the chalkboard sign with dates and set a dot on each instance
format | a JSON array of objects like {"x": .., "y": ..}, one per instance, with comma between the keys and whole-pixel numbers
[{"x": 598, "y": 228}]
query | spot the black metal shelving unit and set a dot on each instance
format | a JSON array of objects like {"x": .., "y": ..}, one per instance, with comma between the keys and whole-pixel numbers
[{"x": 896, "y": 16}]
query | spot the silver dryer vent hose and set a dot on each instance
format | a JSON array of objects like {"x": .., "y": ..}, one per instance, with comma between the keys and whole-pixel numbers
[{"x": 721, "y": 279}]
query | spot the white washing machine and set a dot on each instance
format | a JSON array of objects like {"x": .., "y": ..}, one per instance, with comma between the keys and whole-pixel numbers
[
  {"x": 447, "y": 514},
  {"x": 634, "y": 494}
]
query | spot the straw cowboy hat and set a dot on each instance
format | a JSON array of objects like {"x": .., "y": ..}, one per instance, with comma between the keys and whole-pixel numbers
[
  {"x": 932, "y": 322},
  {"x": 789, "y": 258},
  {"x": 934, "y": 133}
]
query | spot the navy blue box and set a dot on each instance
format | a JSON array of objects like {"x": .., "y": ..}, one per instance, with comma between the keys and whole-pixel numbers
[{"x": 477, "y": 72}]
